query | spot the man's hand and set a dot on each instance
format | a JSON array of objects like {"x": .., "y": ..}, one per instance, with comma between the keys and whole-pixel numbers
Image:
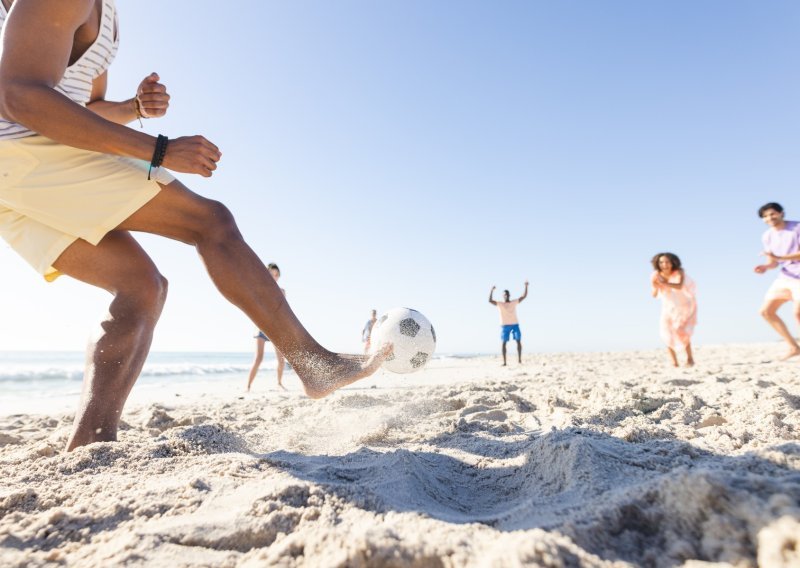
[
  {"x": 761, "y": 268},
  {"x": 152, "y": 96},
  {"x": 526, "y": 283},
  {"x": 192, "y": 155}
]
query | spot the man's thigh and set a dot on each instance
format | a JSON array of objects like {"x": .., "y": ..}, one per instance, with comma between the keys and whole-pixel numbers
[{"x": 116, "y": 263}]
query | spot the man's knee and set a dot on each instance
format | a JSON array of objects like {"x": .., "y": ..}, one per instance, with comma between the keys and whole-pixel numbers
[
  {"x": 156, "y": 290},
  {"x": 218, "y": 222},
  {"x": 768, "y": 312},
  {"x": 146, "y": 293}
]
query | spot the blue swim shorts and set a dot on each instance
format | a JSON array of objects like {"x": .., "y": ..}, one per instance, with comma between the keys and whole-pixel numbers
[
  {"x": 510, "y": 330},
  {"x": 261, "y": 335}
]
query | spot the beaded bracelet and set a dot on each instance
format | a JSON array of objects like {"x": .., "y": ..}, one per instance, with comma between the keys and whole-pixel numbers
[
  {"x": 158, "y": 154},
  {"x": 139, "y": 110}
]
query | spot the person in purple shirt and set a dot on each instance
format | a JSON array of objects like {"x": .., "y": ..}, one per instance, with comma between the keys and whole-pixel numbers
[{"x": 782, "y": 249}]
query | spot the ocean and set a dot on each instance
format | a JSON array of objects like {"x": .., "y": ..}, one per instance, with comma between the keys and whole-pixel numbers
[
  {"x": 34, "y": 379},
  {"x": 42, "y": 382}
]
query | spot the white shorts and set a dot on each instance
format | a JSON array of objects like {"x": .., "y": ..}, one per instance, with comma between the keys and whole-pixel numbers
[
  {"x": 52, "y": 194},
  {"x": 784, "y": 289}
]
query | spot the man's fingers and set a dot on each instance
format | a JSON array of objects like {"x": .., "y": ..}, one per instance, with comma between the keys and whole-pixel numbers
[
  {"x": 153, "y": 96},
  {"x": 152, "y": 88},
  {"x": 158, "y": 104},
  {"x": 214, "y": 150},
  {"x": 192, "y": 154},
  {"x": 152, "y": 77},
  {"x": 210, "y": 164}
]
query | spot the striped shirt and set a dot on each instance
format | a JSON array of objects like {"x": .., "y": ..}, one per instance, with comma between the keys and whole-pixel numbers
[{"x": 77, "y": 80}]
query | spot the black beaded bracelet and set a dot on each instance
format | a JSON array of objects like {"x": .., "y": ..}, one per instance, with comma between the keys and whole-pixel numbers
[{"x": 158, "y": 154}]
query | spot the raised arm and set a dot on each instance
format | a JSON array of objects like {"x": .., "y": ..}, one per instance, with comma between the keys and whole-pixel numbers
[
  {"x": 37, "y": 43},
  {"x": 525, "y": 293},
  {"x": 491, "y": 293}
]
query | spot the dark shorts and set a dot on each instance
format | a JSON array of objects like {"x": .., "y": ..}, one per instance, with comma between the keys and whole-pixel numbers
[
  {"x": 262, "y": 335},
  {"x": 510, "y": 330}
]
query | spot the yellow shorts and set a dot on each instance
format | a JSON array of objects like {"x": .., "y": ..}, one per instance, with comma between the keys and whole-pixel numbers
[
  {"x": 52, "y": 194},
  {"x": 784, "y": 288}
]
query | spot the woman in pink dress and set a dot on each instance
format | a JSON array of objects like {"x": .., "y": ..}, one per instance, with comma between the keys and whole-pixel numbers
[{"x": 678, "y": 304}]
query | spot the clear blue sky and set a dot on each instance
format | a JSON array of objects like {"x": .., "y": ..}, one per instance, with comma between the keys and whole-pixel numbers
[{"x": 415, "y": 153}]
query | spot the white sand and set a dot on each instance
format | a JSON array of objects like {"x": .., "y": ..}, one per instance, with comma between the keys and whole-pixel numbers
[{"x": 604, "y": 459}]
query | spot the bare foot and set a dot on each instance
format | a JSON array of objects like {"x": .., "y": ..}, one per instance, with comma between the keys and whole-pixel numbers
[
  {"x": 690, "y": 363},
  {"x": 322, "y": 373},
  {"x": 283, "y": 387},
  {"x": 793, "y": 352}
]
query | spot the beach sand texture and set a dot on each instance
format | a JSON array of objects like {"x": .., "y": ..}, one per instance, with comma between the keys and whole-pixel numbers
[{"x": 595, "y": 459}]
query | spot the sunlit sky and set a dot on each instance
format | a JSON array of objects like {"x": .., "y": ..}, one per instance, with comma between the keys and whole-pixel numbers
[{"x": 416, "y": 153}]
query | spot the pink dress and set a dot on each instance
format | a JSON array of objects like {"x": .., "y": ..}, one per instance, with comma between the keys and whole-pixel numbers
[{"x": 678, "y": 310}]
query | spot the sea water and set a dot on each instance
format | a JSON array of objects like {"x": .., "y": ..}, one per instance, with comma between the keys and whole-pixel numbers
[
  {"x": 27, "y": 376},
  {"x": 49, "y": 382}
]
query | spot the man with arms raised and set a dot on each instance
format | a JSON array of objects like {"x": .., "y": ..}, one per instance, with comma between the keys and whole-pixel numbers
[
  {"x": 509, "y": 324},
  {"x": 782, "y": 248},
  {"x": 75, "y": 182}
]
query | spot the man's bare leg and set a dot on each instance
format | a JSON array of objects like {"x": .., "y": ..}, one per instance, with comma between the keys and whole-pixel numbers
[
  {"x": 244, "y": 280},
  {"x": 519, "y": 351},
  {"x": 503, "y": 349},
  {"x": 115, "y": 358},
  {"x": 769, "y": 311}
]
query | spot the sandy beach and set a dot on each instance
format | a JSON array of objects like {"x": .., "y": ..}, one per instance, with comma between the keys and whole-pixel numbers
[{"x": 587, "y": 459}]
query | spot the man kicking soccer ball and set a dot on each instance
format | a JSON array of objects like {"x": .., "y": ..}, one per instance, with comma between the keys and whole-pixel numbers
[{"x": 75, "y": 182}]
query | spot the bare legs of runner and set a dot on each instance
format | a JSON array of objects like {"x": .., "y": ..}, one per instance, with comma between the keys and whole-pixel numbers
[
  {"x": 279, "y": 359},
  {"x": 519, "y": 352},
  {"x": 281, "y": 362},
  {"x": 689, "y": 356},
  {"x": 120, "y": 266},
  {"x": 257, "y": 361},
  {"x": 769, "y": 311}
]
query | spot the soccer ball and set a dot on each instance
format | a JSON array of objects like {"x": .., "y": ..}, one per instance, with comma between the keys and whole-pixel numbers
[{"x": 411, "y": 334}]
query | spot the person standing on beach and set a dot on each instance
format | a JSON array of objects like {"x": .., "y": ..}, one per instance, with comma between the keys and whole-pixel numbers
[
  {"x": 75, "y": 182},
  {"x": 366, "y": 333},
  {"x": 782, "y": 248},
  {"x": 509, "y": 324},
  {"x": 261, "y": 339},
  {"x": 677, "y": 292}
]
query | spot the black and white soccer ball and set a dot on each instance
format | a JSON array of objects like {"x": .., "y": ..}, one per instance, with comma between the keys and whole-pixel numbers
[{"x": 412, "y": 336}]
